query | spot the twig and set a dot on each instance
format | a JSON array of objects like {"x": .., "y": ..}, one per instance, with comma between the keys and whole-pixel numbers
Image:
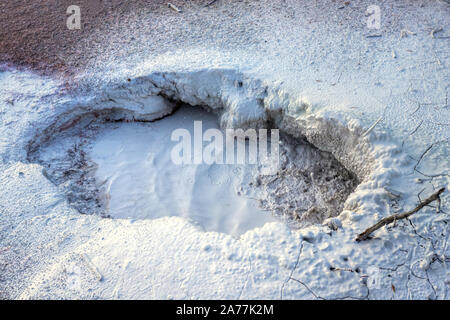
[
  {"x": 406, "y": 32},
  {"x": 404, "y": 215},
  {"x": 435, "y": 31},
  {"x": 210, "y": 3},
  {"x": 344, "y": 269},
  {"x": 438, "y": 208},
  {"x": 372, "y": 127},
  {"x": 173, "y": 7}
]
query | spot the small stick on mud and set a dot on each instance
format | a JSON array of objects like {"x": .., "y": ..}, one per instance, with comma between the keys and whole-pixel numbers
[
  {"x": 372, "y": 127},
  {"x": 394, "y": 55},
  {"x": 435, "y": 31},
  {"x": 406, "y": 32},
  {"x": 174, "y": 7},
  {"x": 395, "y": 217},
  {"x": 210, "y": 3},
  {"x": 344, "y": 269}
]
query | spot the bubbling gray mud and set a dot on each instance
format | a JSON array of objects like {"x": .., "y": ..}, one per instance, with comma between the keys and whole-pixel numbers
[{"x": 309, "y": 186}]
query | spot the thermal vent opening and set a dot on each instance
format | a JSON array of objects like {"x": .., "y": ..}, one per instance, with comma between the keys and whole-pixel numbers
[{"x": 124, "y": 169}]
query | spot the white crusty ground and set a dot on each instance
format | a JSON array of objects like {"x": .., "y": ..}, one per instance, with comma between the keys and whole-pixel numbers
[{"x": 313, "y": 69}]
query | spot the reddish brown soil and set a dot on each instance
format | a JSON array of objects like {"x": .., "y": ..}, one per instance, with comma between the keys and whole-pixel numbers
[{"x": 34, "y": 33}]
